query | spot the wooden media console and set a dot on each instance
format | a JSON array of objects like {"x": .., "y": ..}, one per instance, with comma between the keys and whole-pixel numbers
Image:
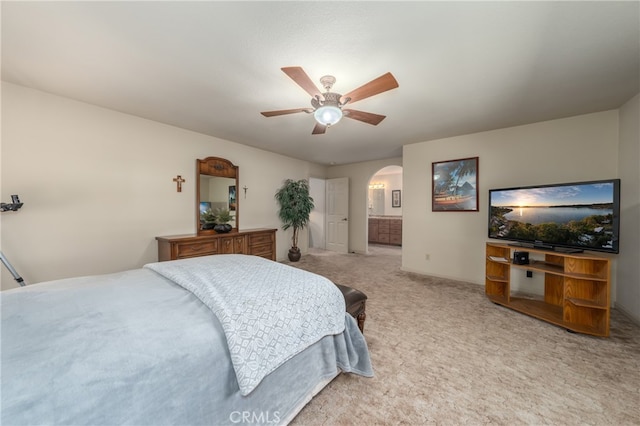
[{"x": 576, "y": 287}]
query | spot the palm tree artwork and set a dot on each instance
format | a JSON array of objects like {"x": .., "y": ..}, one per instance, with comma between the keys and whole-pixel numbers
[{"x": 455, "y": 185}]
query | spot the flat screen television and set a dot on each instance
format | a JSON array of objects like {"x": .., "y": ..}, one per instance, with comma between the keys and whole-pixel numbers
[{"x": 567, "y": 217}]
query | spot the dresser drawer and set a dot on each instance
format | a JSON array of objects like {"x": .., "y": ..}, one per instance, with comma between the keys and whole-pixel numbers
[
  {"x": 383, "y": 226},
  {"x": 395, "y": 239},
  {"x": 395, "y": 227},
  {"x": 383, "y": 238},
  {"x": 197, "y": 249},
  {"x": 260, "y": 239},
  {"x": 261, "y": 249}
]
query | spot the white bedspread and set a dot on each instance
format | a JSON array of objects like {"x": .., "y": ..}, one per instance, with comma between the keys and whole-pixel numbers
[{"x": 264, "y": 325}]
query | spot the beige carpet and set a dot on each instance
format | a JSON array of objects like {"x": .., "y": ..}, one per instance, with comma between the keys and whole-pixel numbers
[{"x": 443, "y": 354}]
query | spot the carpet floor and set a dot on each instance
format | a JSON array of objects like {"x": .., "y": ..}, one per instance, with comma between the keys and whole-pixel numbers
[{"x": 443, "y": 354}]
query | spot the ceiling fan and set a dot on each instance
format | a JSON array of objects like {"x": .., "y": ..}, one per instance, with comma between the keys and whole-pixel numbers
[{"x": 327, "y": 107}]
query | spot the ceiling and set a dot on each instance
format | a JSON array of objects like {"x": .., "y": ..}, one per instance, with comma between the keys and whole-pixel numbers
[{"x": 212, "y": 67}]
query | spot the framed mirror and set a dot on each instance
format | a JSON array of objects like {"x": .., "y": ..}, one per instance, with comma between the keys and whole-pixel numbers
[{"x": 216, "y": 192}]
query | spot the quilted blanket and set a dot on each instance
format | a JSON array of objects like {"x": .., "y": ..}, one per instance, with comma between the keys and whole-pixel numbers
[{"x": 269, "y": 311}]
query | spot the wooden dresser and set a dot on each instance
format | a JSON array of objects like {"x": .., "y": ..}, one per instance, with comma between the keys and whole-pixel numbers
[
  {"x": 385, "y": 230},
  {"x": 257, "y": 242}
]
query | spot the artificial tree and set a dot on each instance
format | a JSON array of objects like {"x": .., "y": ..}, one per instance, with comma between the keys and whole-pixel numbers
[{"x": 295, "y": 209}]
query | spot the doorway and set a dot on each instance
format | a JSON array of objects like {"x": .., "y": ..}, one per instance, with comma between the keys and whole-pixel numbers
[{"x": 384, "y": 208}]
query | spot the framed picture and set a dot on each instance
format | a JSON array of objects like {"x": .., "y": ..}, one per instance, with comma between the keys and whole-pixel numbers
[
  {"x": 232, "y": 198},
  {"x": 395, "y": 198},
  {"x": 455, "y": 185}
]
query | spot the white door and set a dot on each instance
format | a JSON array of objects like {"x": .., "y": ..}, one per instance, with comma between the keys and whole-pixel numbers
[
  {"x": 317, "y": 216},
  {"x": 337, "y": 224}
]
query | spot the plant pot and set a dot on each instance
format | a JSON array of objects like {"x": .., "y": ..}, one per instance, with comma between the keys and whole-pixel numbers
[
  {"x": 222, "y": 228},
  {"x": 294, "y": 254},
  {"x": 208, "y": 225}
]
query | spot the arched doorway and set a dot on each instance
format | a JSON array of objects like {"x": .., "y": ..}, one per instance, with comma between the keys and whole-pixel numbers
[{"x": 384, "y": 208}]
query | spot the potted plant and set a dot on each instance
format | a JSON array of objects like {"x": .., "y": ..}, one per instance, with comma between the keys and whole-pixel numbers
[
  {"x": 223, "y": 217},
  {"x": 295, "y": 208},
  {"x": 208, "y": 219}
]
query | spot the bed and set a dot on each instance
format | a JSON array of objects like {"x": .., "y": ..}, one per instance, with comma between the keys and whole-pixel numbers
[{"x": 213, "y": 340}]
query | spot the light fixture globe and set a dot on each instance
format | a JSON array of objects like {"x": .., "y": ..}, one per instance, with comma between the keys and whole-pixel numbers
[{"x": 328, "y": 115}]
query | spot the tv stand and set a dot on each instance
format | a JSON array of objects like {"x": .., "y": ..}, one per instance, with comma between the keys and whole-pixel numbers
[
  {"x": 523, "y": 245},
  {"x": 546, "y": 247},
  {"x": 576, "y": 288},
  {"x": 542, "y": 246},
  {"x": 567, "y": 250}
]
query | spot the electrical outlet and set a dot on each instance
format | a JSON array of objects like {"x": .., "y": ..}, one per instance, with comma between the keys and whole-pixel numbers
[{"x": 529, "y": 274}]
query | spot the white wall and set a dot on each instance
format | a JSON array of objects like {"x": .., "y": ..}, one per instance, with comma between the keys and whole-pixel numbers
[
  {"x": 628, "y": 294},
  {"x": 97, "y": 186},
  {"x": 359, "y": 175},
  {"x": 565, "y": 150}
]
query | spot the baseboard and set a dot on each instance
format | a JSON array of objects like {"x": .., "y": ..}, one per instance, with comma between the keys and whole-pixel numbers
[
  {"x": 447, "y": 277},
  {"x": 627, "y": 314}
]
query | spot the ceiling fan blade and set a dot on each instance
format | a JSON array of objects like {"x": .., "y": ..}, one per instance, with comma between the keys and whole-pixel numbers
[
  {"x": 366, "y": 117},
  {"x": 286, "y": 111},
  {"x": 298, "y": 75},
  {"x": 319, "y": 129},
  {"x": 381, "y": 84}
]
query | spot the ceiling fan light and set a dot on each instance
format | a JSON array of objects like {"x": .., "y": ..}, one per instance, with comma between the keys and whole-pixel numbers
[{"x": 328, "y": 115}]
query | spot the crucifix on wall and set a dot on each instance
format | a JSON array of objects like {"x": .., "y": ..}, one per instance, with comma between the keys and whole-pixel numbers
[{"x": 178, "y": 180}]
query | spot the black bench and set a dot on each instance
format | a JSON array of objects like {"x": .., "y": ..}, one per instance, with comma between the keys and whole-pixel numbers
[{"x": 355, "y": 301}]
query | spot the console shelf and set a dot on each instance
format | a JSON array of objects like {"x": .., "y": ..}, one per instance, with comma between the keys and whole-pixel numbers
[{"x": 576, "y": 294}]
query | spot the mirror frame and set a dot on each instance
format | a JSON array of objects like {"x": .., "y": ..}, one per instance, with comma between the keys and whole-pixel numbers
[{"x": 220, "y": 167}]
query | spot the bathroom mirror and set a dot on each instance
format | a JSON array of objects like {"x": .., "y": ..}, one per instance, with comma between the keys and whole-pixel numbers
[
  {"x": 216, "y": 189},
  {"x": 376, "y": 202}
]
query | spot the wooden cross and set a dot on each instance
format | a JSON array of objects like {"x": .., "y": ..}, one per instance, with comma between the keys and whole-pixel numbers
[{"x": 178, "y": 180}]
